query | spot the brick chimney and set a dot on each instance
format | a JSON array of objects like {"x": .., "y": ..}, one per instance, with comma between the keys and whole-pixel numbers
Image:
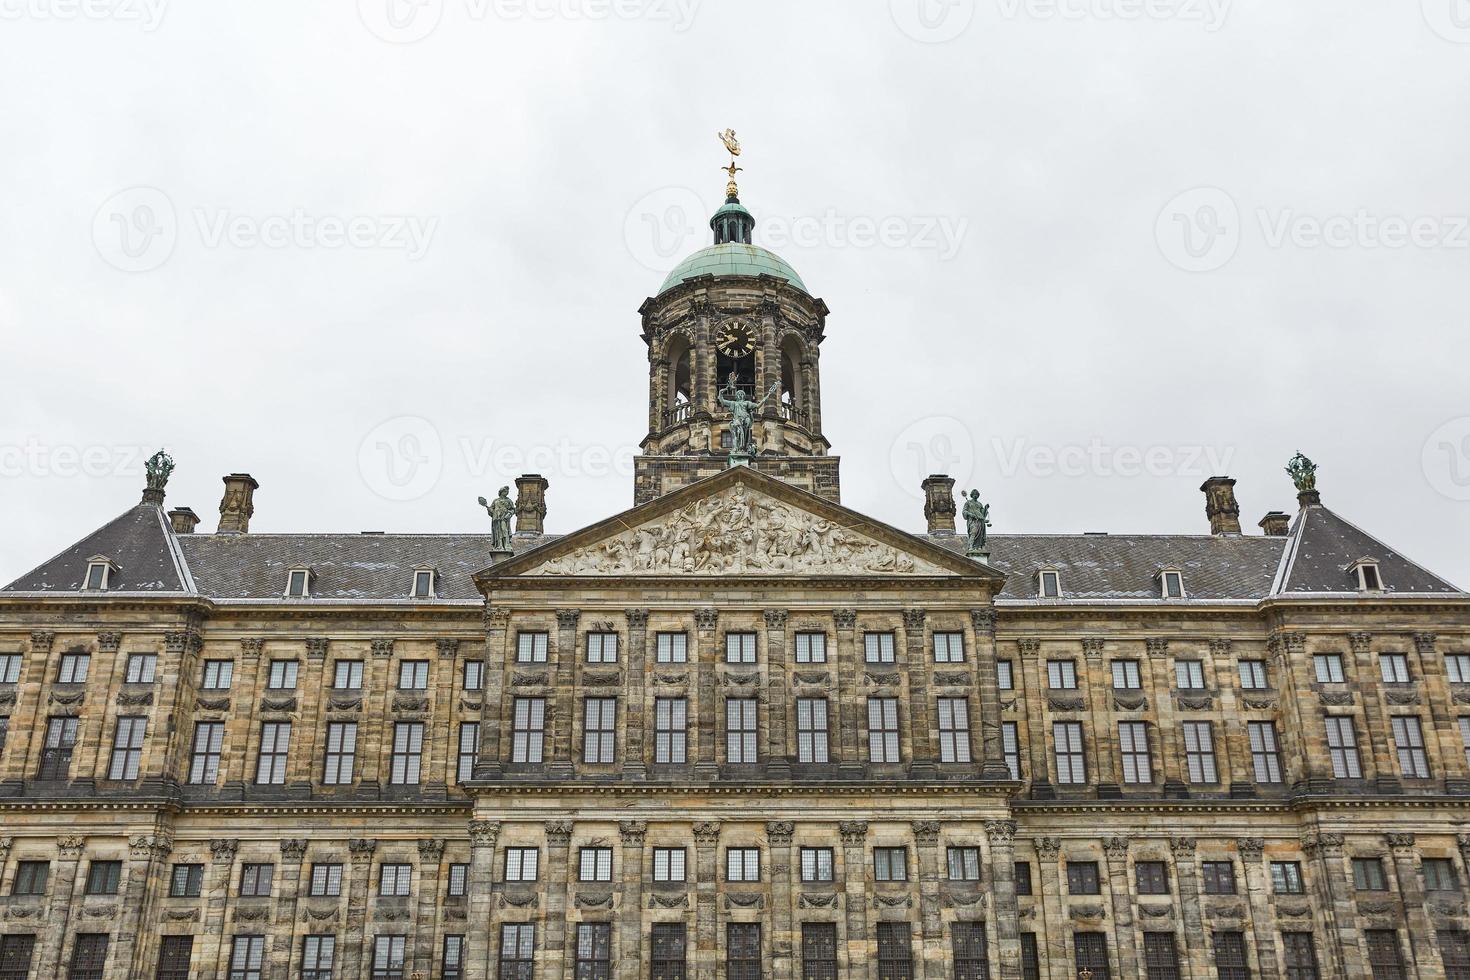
[
  {"x": 939, "y": 507},
  {"x": 238, "y": 504},
  {"x": 1276, "y": 524},
  {"x": 183, "y": 519},
  {"x": 531, "y": 503},
  {"x": 1220, "y": 505}
]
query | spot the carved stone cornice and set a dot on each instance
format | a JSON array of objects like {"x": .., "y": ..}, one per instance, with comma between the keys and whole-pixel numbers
[
  {"x": 447, "y": 647},
  {"x": 382, "y": 647},
  {"x": 567, "y": 619},
  {"x": 926, "y": 832},
  {"x": 1250, "y": 848},
  {"x": 223, "y": 850},
  {"x": 853, "y": 832},
  {"x": 1047, "y": 848},
  {"x": 707, "y": 832},
  {"x": 41, "y": 641},
  {"x": 1000, "y": 832},
  {"x": 109, "y": 642},
  {"x": 558, "y": 832},
  {"x": 362, "y": 849},
  {"x": 293, "y": 850},
  {"x": 637, "y": 618},
  {"x": 845, "y": 619},
  {"x": 484, "y": 833},
  {"x": 633, "y": 832}
]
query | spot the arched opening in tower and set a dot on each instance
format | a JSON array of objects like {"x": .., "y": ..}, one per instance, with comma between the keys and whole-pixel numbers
[
  {"x": 744, "y": 370},
  {"x": 793, "y": 394},
  {"x": 679, "y": 387}
]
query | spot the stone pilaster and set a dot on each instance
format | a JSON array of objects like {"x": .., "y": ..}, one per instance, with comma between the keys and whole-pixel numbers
[
  {"x": 992, "y": 750},
  {"x": 1105, "y": 736},
  {"x": 1186, "y": 872},
  {"x": 422, "y": 941},
  {"x": 1005, "y": 913},
  {"x": 1448, "y": 750},
  {"x": 1423, "y": 956},
  {"x": 288, "y": 892},
  {"x": 1334, "y": 889},
  {"x": 850, "y": 712},
  {"x": 562, "y": 751},
  {"x": 58, "y": 911},
  {"x": 635, "y": 753},
  {"x": 215, "y": 950},
  {"x": 704, "y": 655},
  {"x": 705, "y": 960},
  {"x": 493, "y": 710},
  {"x": 478, "y": 942},
  {"x": 629, "y": 919},
  {"x": 146, "y": 856},
  {"x": 921, "y": 744},
  {"x": 558, "y": 840},
  {"x": 785, "y": 937},
  {"x": 929, "y": 861},
  {"x": 1052, "y": 940},
  {"x": 1116, "y": 849},
  {"x": 860, "y": 950},
  {"x": 778, "y": 747},
  {"x": 356, "y": 952}
]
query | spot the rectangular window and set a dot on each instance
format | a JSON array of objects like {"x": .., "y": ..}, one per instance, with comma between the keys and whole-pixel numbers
[
  {"x": 670, "y": 731},
  {"x": 1005, "y": 675},
  {"x": 668, "y": 864},
  {"x": 816, "y": 864},
  {"x": 1393, "y": 668},
  {"x": 1301, "y": 956},
  {"x": 883, "y": 730},
  {"x": 218, "y": 675},
  {"x": 1286, "y": 877},
  {"x": 1133, "y": 743},
  {"x": 811, "y": 730},
  {"x": 469, "y": 751},
  {"x": 1253, "y": 675},
  {"x": 518, "y": 951},
  {"x": 474, "y": 675},
  {"x": 408, "y": 753},
  {"x": 1456, "y": 665},
  {"x": 742, "y": 951},
  {"x": 452, "y": 962},
  {"x": 1189, "y": 675},
  {"x": 895, "y": 951},
  {"x": 1385, "y": 958},
  {"x": 1030, "y": 961},
  {"x": 347, "y": 675},
  {"x": 1061, "y": 675},
  {"x": 1408, "y": 740},
  {"x": 531, "y": 648},
  {"x": 602, "y": 648},
  {"x": 127, "y": 748},
  {"x": 395, "y": 880},
  {"x": 521, "y": 863},
  {"x": 1126, "y": 676},
  {"x": 341, "y": 753},
  {"x": 740, "y": 730},
  {"x": 1051, "y": 585},
  {"x": 818, "y": 951},
  {"x": 103, "y": 877},
  {"x": 9, "y": 668},
  {"x": 326, "y": 881},
  {"x": 672, "y": 648},
  {"x": 1219, "y": 877},
  {"x": 1070, "y": 755},
  {"x": 275, "y": 743},
  {"x": 1265, "y": 755},
  {"x": 1172, "y": 585},
  {"x": 16, "y": 950},
  {"x": 423, "y": 584},
  {"x": 811, "y": 648},
  {"x": 4, "y": 730},
  {"x": 1342, "y": 746},
  {"x": 1082, "y": 878},
  {"x": 963, "y": 863},
  {"x": 89, "y": 957},
  {"x": 413, "y": 675},
  {"x": 142, "y": 667},
  {"x": 668, "y": 951},
  {"x": 317, "y": 956},
  {"x": 1328, "y": 667},
  {"x": 1022, "y": 872},
  {"x": 73, "y": 668},
  {"x": 954, "y": 730},
  {"x": 282, "y": 675},
  {"x": 890, "y": 864},
  {"x": 61, "y": 741},
  {"x": 388, "y": 954},
  {"x": 528, "y": 737},
  {"x": 297, "y": 582},
  {"x": 594, "y": 951},
  {"x": 594, "y": 864},
  {"x": 949, "y": 648},
  {"x": 255, "y": 880},
  {"x": 1464, "y": 737},
  {"x": 1010, "y": 743},
  {"x": 1199, "y": 752},
  {"x": 1230, "y": 961},
  {"x": 1368, "y": 875},
  {"x": 458, "y": 882},
  {"x": 739, "y": 648},
  {"x": 247, "y": 958},
  {"x": 599, "y": 731},
  {"x": 878, "y": 648},
  {"x": 1160, "y": 956},
  {"x": 30, "y": 878},
  {"x": 1454, "y": 953},
  {"x": 174, "y": 954},
  {"x": 1091, "y": 949},
  {"x": 1440, "y": 875},
  {"x": 971, "y": 961},
  {"x": 186, "y": 881},
  {"x": 742, "y": 864},
  {"x": 1152, "y": 877}
]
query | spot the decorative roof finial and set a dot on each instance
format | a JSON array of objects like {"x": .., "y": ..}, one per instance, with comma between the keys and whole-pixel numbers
[
  {"x": 1303, "y": 473},
  {"x": 158, "y": 468},
  {"x": 732, "y": 192}
]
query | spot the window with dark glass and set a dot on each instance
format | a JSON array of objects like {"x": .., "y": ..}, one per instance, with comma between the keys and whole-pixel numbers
[
  {"x": 174, "y": 953},
  {"x": 1022, "y": 871},
  {"x": 963, "y": 863},
  {"x": 186, "y": 881},
  {"x": 1160, "y": 956},
  {"x": 819, "y": 951},
  {"x": 1218, "y": 877},
  {"x": 423, "y": 584},
  {"x": 1300, "y": 954},
  {"x": 1091, "y": 954},
  {"x": 518, "y": 951},
  {"x": 1286, "y": 877},
  {"x": 16, "y": 950},
  {"x": 1082, "y": 878},
  {"x": 1385, "y": 956},
  {"x": 1454, "y": 953},
  {"x": 30, "y": 878},
  {"x": 1368, "y": 875},
  {"x": 1030, "y": 961},
  {"x": 895, "y": 951},
  {"x": 88, "y": 957},
  {"x": 1230, "y": 959},
  {"x": 469, "y": 751},
  {"x": 103, "y": 877},
  {"x": 61, "y": 741},
  {"x": 968, "y": 943},
  {"x": 668, "y": 951},
  {"x": 594, "y": 951},
  {"x": 1152, "y": 877}
]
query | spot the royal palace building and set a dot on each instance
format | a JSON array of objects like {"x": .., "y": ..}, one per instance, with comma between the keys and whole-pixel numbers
[{"x": 738, "y": 731}]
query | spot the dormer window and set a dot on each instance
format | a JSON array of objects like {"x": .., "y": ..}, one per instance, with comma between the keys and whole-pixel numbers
[
  {"x": 298, "y": 583},
  {"x": 424, "y": 582},
  {"x": 1171, "y": 584},
  {"x": 1049, "y": 583},
  {"x": 1366, "y": 570},
  {"x": 99, "y": 574}
]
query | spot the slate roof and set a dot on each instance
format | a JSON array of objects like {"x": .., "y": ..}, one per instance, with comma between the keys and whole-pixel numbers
[
  {"x": 1322, "y": 548},
  {"x": 138, "y": 541}
]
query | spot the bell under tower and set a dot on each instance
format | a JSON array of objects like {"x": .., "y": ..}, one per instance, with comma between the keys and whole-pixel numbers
[{"x": 734, "y": 309}]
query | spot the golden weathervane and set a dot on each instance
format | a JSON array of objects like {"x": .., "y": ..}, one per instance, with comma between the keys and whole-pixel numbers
[{"x": 733, "y": 145}]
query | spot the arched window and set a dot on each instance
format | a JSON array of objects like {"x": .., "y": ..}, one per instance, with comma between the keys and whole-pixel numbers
[
  {"x": 679, "y": 387},
  {"x": 793, "y": 394}
]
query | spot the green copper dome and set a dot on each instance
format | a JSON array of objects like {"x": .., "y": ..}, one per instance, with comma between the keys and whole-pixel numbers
[{"x": 733, "y": 259}]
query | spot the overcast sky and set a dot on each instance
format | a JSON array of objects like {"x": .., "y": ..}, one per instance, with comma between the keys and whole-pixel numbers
[{"x": 1080, "y": 253}]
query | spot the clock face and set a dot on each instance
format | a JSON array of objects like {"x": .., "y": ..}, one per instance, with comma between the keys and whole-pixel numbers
[{"x": 735, "y": 340}]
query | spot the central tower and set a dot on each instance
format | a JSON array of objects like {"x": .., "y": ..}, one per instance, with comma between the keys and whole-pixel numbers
[{"x": 733, "y": 313}]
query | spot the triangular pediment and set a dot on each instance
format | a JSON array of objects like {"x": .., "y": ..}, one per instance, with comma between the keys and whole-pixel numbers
[{"x": 740, "y": 523}]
